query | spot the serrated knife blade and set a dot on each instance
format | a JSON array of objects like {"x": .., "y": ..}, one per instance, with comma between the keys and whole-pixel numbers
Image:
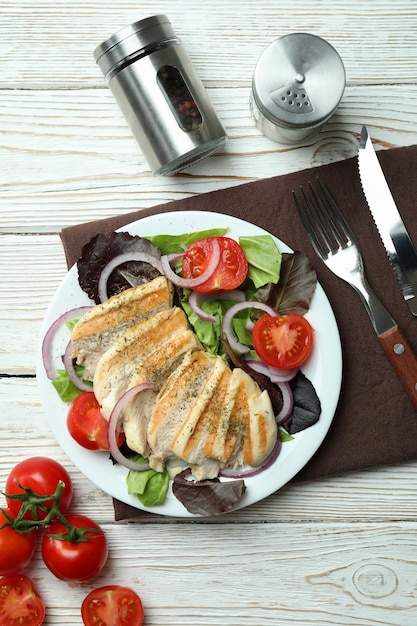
[{"x": 391, "y": 228}]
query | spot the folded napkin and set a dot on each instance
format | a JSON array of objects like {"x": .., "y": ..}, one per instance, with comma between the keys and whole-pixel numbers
[{"x": 375, "y": 422}]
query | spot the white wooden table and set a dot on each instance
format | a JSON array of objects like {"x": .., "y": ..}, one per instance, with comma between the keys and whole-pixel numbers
[{"x": 336, "y": 551}]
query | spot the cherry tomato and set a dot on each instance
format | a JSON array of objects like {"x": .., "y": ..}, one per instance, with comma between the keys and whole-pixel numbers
[
  {"x": 87, "y": 425},
  {"x": 20, "y": 602},
  {"x": 16, "y": 550},
  {"x": 75, "y": 561},
  {"x": 285, "y": 341},
  {"x": 112, "y": 606},
  {"x": 41, "y": 475},
  {"x": 230, "y": 272}
]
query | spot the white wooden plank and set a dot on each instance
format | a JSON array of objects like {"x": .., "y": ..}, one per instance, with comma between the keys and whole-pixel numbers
[
  {"x": 68, "y": 156},
  {"x": 223, "y": 43}
]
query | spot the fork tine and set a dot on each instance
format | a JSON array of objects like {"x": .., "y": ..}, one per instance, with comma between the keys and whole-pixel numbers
[
  {"x": 343, "y": 224},
  {"x": 309, "y": 224},
  {"x": 325, "y": 224}
]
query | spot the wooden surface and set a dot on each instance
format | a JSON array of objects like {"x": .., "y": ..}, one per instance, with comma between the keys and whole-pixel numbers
[{"x": 340, "y": 551}]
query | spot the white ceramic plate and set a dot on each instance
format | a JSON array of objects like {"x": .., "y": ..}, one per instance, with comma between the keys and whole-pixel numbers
[{"x": 324, "y": 369}]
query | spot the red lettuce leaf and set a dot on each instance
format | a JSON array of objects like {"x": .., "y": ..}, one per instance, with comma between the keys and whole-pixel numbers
[
  {"x": 295, "y": 289},
  {"x": 102, "y": 249},
  {"x": 307, "y": 406},
  {"x": 207, "y": 497}
]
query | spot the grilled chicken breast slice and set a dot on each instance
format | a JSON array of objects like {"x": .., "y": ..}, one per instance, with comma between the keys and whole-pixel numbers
[
  {"x": 210, "y": 417},
  {"x": 97, "y": 329},
  {"x": 147, "y": 352}
]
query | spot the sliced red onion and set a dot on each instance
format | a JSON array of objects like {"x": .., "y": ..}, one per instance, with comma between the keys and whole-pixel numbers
[
  {"x": 190, "y": 283},
  {"x": 126, "y": 257},
  {"x": 114, "y": 428},
  {"x": 72, "y": 374},
  {"x": 246, "y": 471},
  {"x": 50, "y": 334},
  {"x": 274, "y": 374},
  {"x": 288, "y": 403},
  {"x": 227, "y": 327},
  {"x": 196, "y": 299}
]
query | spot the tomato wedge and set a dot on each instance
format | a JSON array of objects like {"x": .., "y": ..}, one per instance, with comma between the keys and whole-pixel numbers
[
  {"x": 284, "y": 341},
  {"x": 20, "y": 602},
  {"x": 231, "y": 270},
  {"x": 112, "y": 605},
  {"x": 87, "y": 425}
]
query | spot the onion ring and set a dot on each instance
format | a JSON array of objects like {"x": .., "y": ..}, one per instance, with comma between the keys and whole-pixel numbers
[
  {"x": 227, "y": 328},
  {"x": 274, "y": 374},
  {"x": 196, "y": 299},
  {"x": 50, "y": 334},
  {"x": 72, "y": 374},
  {"x": 288, "y": 403},
  {"x": 189, "y": 283},
  {"x": 247, "y": 471},
  {"x": 113, "y": 428},
  {"x": 126, "y": 257}
]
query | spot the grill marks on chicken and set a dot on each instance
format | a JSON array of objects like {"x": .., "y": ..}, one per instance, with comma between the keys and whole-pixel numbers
[
  {"x": 199, "y": 410},
  {"x": 103, "y": 323}
]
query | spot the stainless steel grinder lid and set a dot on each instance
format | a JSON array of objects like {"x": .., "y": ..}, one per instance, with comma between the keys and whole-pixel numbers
[{"x": 297, "y": 85}]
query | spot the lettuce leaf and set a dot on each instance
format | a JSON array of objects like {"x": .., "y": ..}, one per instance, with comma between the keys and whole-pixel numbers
[
  {"x": 149, "y": 486},
  {"x": 171, "y": 244},
  {"x": 67, "y": 391},
  {"x": 263, "y": 257}
]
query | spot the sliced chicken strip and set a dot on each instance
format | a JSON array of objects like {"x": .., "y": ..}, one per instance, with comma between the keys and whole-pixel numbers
[{"x": 103, "y": 323}]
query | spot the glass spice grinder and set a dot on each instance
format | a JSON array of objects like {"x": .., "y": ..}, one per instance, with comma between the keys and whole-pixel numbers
[{"x": 161, "y": 97}]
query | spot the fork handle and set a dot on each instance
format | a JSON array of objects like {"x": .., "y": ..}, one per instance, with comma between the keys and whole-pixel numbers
[{"x": 402, "y": 358}]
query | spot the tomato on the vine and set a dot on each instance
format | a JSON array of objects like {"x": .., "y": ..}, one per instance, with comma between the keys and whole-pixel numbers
[
  {"x": 41, "y": 475},
  {"x": 231, "y": 270},
  {"x": 20, "y": 602},
  {"x": 285, "y": 341},
  {"x": 112, "y": 605},
  {"x": 16, "y": 549},
  {"x": 87, "y": 425},
  {"x": 76, "y": 554}
]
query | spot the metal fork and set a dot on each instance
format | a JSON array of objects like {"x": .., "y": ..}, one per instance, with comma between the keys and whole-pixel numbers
[{"x": 335, "y": 243}]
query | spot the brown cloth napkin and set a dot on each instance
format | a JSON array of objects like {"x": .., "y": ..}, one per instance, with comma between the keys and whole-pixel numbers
[{"x": 375, "y": 423}]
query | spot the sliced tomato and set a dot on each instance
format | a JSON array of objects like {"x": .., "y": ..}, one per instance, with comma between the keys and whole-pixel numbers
[
  {"x": 231, "y": 270},
  {"x": 284, "y": 341},
  {"x": 112, "y": 605},
  {"x": 20, "y": 602},
  {"x": 87, "y": 425}
]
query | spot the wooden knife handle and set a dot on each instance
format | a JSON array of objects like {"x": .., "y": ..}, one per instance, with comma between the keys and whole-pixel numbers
[{"x": 402, "y": 358}]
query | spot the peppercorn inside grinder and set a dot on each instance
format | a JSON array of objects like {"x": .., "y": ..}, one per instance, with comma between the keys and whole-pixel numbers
[
  {"x": 160, "y": 95},
  {"x": 297, "y": 85}
]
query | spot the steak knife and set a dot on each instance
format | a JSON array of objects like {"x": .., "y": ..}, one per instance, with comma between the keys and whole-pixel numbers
[{"x": 391, "y": 228}]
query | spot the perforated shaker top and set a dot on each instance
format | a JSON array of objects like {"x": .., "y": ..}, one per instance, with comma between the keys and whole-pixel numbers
[{"x": 298, "y": 81}]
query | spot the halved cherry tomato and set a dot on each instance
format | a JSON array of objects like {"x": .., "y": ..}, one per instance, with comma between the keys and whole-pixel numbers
[
  {"x": 69, "y": 558},
  {"x": 230, "y": 272},
  {"x": 41, "y": 475},
  {"x": 112, "y": 605},
  {"x": 16, "y": 550},
  {"x": 20, "y": 602},
  {"x": 285, "y": 341},
  {"x": 87, "y": 425}
]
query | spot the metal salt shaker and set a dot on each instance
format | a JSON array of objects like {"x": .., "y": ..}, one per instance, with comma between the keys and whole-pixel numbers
[{"x": 297, "y": 85}]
